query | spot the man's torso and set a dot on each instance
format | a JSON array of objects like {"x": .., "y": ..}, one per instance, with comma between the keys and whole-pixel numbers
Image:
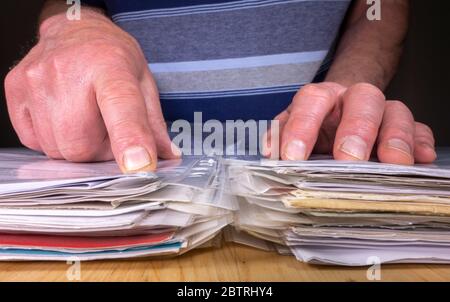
[{"x": 230, "y": 59}]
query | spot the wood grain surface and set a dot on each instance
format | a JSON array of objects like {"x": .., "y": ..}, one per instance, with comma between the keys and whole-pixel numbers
[{"x": 232, "y": 262}]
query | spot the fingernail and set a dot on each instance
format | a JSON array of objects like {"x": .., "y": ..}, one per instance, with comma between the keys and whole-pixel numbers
[
  {"x": 355, "y": 147},
  {"x": 136, "y": 159},
  {"x": 176, "y": 151},
  {"x": 399, "y": 145},
  {"x": 296, "y": 150}
]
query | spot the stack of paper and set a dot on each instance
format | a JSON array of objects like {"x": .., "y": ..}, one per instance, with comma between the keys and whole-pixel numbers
[
  {"x": 55, "y": 210},
  {"x": 344, "y": 213},
  {"x": 322, "y": 211}
]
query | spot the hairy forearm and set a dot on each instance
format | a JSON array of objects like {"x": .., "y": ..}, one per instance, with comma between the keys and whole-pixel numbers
[{"x": 369, "y": 51}]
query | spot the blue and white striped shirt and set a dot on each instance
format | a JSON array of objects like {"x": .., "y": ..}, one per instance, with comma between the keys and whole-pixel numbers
[{"x": 230, "y": 59}]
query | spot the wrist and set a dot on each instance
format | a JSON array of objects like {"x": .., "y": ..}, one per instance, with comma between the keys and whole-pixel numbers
[
  {"x": 361, "y": 73},
  {"x": 52, "y": 24}
]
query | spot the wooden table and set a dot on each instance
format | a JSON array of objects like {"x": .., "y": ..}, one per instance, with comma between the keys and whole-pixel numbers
[{"x": 232, "y": 262}]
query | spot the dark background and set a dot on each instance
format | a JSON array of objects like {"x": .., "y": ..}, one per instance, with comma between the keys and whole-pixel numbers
[{"x": 422, "y": 82}]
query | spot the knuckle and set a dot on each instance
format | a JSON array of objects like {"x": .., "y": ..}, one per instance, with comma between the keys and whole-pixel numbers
[
  {"x": 317, "y": 91},
  {"x": 119, "y": 55},
  {"x": 366, "y": 87},
  {"x": 125, "y": 131},
  {"x": 78, "y": 140},
  {"x": 127, "y": 126},
  {"x": 133, "y": 41},
  {"x": 363, "y": 123},
  {"x": 118, "y": 51},
  {"x": 11, "y": 79},
  {"x": 59, "y": 63},
  {"x": 395, "y": 104},
  {"x": 303, "y": 127},
  {"x": 122, "y": 54},
  {"x": 425, "y": 139},
  {"x": 116, "y": 92},
  {"x": 78, "y": 149},
  {"x": 399, "y": 132},
  {"x": 399, "y": 107},
  {"x": 33, "y": 73},
  {"x": 367, "y": 90},
  {"x": 424, "y": 134},
  {"x": 11, "y": 83},
  {"x": 305, "y": 120},
  {"x": 425, "y": 128},
  {"x": 401, "y": 127},
  {"x": 399, "y": 123}
]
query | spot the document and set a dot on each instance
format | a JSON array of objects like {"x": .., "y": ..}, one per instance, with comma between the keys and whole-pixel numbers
[
  {"x": 320, "y": 211},
  {"x": 56, "y": 210},
  {"x": 345, "y": 213}
]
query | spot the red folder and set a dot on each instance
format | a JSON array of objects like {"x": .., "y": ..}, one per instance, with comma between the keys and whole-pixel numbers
[{"x": 68, "y": 242}]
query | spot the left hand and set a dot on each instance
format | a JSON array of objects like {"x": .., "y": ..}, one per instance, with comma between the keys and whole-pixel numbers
[{"x": 350, "y": 123}]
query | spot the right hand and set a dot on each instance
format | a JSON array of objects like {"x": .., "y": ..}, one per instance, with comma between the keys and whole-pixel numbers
[{"x": 85, "y": 93}]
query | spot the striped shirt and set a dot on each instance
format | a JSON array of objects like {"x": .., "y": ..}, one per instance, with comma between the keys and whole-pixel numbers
[{"x": 230, "y": 59}]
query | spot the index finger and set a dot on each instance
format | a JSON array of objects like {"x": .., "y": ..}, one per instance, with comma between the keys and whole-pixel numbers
[{"x": 122, "y": 106}]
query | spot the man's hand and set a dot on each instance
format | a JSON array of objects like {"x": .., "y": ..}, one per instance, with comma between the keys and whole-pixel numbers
[
  {"x": 84, "y": 93},
  {"x": 346, "y": 116},
  {"x": 350, "y": 123}
]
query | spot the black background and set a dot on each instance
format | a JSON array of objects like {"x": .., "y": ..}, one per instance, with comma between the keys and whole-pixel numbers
[{"x": 422, "y": 82}]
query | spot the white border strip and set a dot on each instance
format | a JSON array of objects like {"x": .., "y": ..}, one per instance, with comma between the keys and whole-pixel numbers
[{"x": 239, "y": 63}]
